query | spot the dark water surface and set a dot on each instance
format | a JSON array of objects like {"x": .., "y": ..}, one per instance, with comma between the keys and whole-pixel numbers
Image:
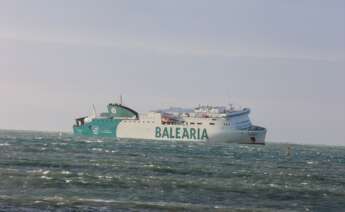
[{"x": 48, "y": 171}]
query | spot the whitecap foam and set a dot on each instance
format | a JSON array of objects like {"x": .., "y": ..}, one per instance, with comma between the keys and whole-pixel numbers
[
  {"x": 36, "y": 171},
  {"x": 97, "y": 200},
  {"x": 65, "y": 172},
  {"x": 4, "y": 144},
  {"x": 39, "y": 171},
  {"x": 45, "y": 177},
  {"x": 93, "y": 141},
  {"x": 97, "y": 149},
  {"x": 273, "y": 185},
  {"x": 54, "y": 198}
]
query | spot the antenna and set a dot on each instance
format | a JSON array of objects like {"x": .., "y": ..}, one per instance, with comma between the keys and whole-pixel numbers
[
  {"x": 231, "y": 107},
  {"x": 94, "y": 110}
]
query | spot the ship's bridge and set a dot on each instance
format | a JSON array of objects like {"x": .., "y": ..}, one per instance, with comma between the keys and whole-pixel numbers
[
  {"x": 240, "y": 119},
  {"x": 210, "y": 109},
  {"x": 235, "y": 118}
]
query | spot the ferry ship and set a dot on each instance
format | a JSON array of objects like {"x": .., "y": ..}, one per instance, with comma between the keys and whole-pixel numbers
[{"x": 204, "y": 123}]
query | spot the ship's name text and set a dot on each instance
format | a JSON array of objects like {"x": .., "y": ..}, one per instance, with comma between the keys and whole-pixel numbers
[{"x": 181, "y": 133}]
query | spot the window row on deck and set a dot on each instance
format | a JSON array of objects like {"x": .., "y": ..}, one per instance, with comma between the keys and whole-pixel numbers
[{"x": 173, "y": 123}]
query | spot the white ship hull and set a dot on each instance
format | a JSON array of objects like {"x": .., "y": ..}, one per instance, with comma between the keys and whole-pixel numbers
[{"x": 148, "y": 132}]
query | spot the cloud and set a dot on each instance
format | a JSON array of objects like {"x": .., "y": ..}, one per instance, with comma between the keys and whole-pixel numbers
[{"x": 174, "y": 47}]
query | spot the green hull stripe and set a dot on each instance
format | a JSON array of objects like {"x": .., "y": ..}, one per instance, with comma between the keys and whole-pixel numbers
[{"x": 98, "y": 127}]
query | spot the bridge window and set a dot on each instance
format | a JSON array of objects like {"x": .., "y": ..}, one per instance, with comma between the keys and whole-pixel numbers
[{"x": 211, "y": 123}]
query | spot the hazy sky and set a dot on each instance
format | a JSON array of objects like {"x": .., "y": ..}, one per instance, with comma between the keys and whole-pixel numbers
[{"x": 283, "y": 59}]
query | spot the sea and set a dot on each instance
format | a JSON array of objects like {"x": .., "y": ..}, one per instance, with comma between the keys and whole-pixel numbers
[{"x": 41, "y": 171}]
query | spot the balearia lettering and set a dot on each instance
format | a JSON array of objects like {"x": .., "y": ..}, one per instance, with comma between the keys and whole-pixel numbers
[{"x": 181, "y": 133}]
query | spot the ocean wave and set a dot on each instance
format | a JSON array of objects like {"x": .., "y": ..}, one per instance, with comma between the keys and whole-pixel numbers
[
  {"x": 4, "y": 144},
  {"x": 65, "y": 172},
  {"x": 154, "y": 205},
  {"x": 93, "y": 174},
  {"x": 8, "y": 137},
  {"x": 45, "y": 177},
  {"x": 39, "y": 171},
  {"x": 97, "y": 149},
  {"x": 93, "y": 141}
]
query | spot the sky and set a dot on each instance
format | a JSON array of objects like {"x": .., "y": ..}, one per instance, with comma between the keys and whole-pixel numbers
[{"x": 283, "y": 59}]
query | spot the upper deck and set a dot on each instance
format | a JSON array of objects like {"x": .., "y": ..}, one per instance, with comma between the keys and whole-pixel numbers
[
  {"x": 205, "y": 112},
  {"x": 202, "y": 115}
]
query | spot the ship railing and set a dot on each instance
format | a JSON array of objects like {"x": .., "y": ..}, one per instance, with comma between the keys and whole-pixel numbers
[{"x": 256, "y": 128}]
